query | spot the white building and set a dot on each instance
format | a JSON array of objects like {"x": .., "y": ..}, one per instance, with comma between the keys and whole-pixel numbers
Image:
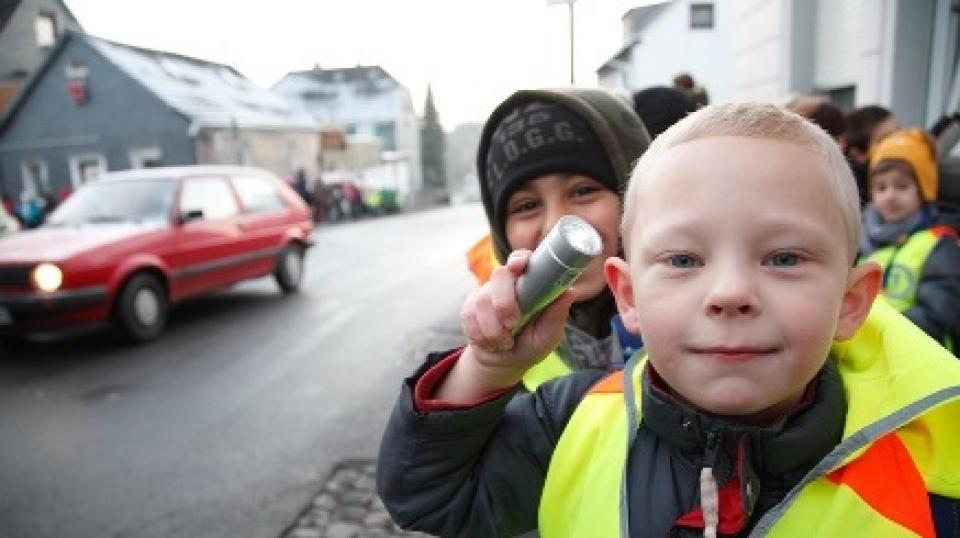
[
  {"x": 902, "y": 54},
  {"x": 665, "y": 38},
  {"x": 363, "y": 100}
]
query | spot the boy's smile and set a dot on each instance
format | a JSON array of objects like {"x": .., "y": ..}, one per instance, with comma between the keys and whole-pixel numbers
[{"x": 739, "y": 263}]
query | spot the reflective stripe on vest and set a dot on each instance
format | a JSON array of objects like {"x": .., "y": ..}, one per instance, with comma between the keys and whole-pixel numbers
[
  {"x": 902, "y": 266},
  {"x": 545, "y": 370},
  {"x": 907, "y": 427}
]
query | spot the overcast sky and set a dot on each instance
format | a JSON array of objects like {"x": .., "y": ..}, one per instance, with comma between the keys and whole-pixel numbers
[{"x": 472, "y": 52}]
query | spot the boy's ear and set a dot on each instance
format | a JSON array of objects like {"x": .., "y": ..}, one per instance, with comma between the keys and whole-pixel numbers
[
  {"x": 617, "y": 272},
  {"x": 862, "y": 288}
]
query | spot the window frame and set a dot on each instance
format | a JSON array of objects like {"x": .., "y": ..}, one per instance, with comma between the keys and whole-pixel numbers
[
  {"x": 76, "y": 178},
  {"x": 30, "y": 183},
  {"x": 44, "y": 16},
  {"x": 138, "y": 156},
  {"x": 707, "y": 7}
]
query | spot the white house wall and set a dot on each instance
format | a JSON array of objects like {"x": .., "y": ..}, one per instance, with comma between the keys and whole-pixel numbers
[
  {"x": 761, "y": 50},
  {"x": 669, "y": 46}
]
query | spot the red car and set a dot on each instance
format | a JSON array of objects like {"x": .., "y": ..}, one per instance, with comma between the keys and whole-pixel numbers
[{"x": 124, "y": 248}]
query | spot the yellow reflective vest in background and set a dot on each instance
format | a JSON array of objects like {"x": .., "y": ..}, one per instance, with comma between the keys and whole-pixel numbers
[
  {"x": 902, "y": 266},
  {"x": 901, "y": 441}
]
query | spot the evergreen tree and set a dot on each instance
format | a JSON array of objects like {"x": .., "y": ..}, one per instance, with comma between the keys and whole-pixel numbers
[{"x": 432, "y": 142}]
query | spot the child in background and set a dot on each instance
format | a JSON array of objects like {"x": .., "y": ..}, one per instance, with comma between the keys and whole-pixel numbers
[
  {"x": 920, "y": 261},
  {"x": 764, "y": 404}
]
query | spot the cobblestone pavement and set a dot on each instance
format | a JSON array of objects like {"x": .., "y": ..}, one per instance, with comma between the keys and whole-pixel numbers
[{"x": 347, "y": 507}]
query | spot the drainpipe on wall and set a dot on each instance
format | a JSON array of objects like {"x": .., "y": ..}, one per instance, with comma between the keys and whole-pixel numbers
[{"x": 193, "y": 131}]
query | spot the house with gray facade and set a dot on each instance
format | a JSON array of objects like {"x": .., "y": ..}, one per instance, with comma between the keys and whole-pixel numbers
[
  {"x": 95, "y": 105},
  {"x": 29, "y": 29}
]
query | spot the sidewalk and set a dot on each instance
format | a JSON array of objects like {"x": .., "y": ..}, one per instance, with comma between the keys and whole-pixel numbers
[{"x": 347, "y": 507}]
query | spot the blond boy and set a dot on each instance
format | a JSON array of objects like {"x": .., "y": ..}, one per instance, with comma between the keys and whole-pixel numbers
[{"x": 744, "y": 414}]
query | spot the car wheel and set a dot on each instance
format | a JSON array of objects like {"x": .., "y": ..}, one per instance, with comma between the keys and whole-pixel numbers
[
  {"x": 289, "y": 272},
  {"x": 141, "y": 312}
]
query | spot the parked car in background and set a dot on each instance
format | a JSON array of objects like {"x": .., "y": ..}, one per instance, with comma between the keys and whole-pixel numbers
[
  {"x": 124, "y": 248},
  {"x": 8, "y": 224}
]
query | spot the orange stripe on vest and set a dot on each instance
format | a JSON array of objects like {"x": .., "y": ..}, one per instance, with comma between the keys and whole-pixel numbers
[
  {"x": 886, "y": 478},
  {"x": 480, "y": 259},
  {"x": 613, "y": 383}
]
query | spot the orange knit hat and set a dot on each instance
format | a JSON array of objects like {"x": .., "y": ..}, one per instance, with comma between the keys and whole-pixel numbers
[{"x": 915, "y": 148}]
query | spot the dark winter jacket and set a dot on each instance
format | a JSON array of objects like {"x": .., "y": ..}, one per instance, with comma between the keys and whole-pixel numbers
[{"x": 480, "y": 471}]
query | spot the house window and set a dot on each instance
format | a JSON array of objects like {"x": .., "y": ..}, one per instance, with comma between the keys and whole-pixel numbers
[
  {"x": 45, "y": 26},
  {"x": 86, "y": 168},
  {"x": 387, "y": 132},
  {"x": 701, "y": 16},
  {"x": 35, "y": 177},
  {"x": 146, "y": 157}
]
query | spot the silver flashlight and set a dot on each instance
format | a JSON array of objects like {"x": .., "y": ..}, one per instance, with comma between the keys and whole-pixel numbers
[{"x": 556, "y": 263}]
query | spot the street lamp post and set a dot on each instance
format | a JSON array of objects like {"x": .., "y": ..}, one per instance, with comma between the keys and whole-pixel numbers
[{"x": 569, "y": 4}]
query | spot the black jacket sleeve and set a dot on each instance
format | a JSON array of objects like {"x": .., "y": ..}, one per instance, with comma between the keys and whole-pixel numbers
[
  {"x": 937, "y": 308},
  {"x": 474, "y": 472}
]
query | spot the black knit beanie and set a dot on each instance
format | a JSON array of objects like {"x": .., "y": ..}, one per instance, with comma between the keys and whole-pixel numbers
[
  {"x": 540, "y": 138},
  {"x": 659, "y": 107}
]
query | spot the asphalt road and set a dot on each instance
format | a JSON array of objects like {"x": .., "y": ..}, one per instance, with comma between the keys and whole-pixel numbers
[{"x": 228, "y": 424}]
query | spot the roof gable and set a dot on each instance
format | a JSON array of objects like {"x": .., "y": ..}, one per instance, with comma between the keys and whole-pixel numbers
[
  {"x": 208, "y": 93},
  {"x": 362, "y": 93}
]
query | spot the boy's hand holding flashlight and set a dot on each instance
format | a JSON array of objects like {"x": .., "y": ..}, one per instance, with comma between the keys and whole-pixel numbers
[{"x": 518, "y": 317}]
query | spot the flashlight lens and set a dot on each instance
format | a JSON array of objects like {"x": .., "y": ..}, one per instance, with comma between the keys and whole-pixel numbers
[
  {"x": 47, "y": 277},
  {"x": 582, "y": 237}
]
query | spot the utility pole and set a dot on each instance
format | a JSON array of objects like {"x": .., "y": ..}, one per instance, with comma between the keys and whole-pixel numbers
[
  {"x": 570, "y": 5},
  {"x": 570, "y": 11}
]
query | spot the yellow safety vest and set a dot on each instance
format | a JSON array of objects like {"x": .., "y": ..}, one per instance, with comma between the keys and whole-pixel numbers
[
  {"x": 901, "y": 440},
  {"x": 902, "y": 266},
  {"x": 549, "y": 368}
]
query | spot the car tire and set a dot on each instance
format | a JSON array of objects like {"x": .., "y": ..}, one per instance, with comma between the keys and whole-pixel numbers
[
  {"x": 289, "y": 271},
  {"x": 141, "y": 309}
]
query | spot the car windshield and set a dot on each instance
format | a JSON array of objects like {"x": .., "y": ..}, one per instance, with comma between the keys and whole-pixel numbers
[{"x": 118, "y": 201}]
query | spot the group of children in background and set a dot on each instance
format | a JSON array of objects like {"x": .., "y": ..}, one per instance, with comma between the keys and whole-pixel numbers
[{"x": 723, "y": 369}]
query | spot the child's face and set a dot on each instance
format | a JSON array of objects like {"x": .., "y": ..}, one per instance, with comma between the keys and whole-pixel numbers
[
  {"x": 894, "y": 194},
  {"x": 738, "y": 272},
  {"x": 535, "y": 207}
]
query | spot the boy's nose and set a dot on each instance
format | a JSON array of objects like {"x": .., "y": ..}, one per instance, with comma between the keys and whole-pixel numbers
[{"x": 732, "y": 295}]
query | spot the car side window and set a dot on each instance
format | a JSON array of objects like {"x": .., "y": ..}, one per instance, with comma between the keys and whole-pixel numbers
[
  {"x": 212, "y": 195},
  {"x": 258, "y": 195}
]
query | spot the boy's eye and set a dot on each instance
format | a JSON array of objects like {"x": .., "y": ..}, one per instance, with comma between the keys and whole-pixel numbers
[
  {"x": 784, "y": 259},
  {"x": 683, "y": 261},
  {"x": 523, "y": 206},
  {"x": 583, "y": 190}
]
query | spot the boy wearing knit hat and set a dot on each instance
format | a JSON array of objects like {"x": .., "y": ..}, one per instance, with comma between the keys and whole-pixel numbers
[
  {"x": 544, "y": 154},
  {"x": 920, "y": 261}
]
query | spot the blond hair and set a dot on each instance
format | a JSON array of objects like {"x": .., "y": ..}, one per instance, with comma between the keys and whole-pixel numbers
[{"x": 756, "y": 120}]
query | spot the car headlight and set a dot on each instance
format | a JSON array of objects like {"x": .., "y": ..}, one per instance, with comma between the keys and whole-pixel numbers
[{"x": 47, "y": 277}]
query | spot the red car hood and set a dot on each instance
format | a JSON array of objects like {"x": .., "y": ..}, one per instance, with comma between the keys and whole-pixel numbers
[{"x": 54, "y": 244}]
